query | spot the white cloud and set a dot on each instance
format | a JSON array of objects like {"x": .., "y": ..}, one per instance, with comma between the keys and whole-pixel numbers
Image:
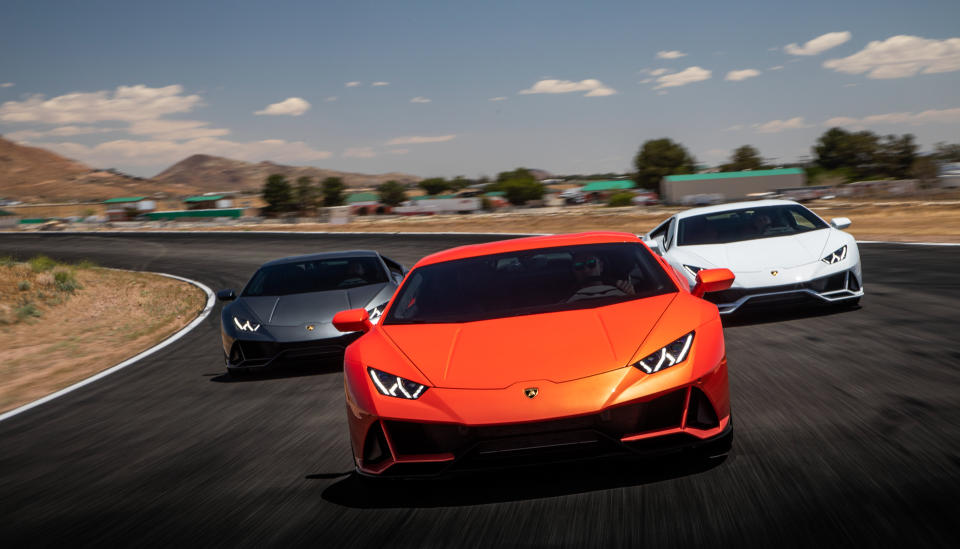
[
  {"x": 775, "y": 126},
  {"x": 734, "y": 128},
  {"x": 419, "y": 99},
  {"x": 6, "y": 85},
  {"x": 776, "y": 68},
  {"x": 672, "y": 54},
  {"x": 658, "y": 72},
  {"x": 379, "y": 84},
  {"x": 162, "y": 152},
  {"x": 688, "y": 75},
  {"x": 499, "y": 98},
  {"x": 398, "y": 151},
  {"x": 291, "y": 106},
  {"x": 63, "y": 131},
  {"x": 646, "y": 80},
  {"x": 417, "y": 139},
  {"x": 592, "y": 86},
  {"x": 819, "y": 44},
  {"x": 175, "y": 129},
  {"x": 359, "y": 152},
  {"x": 901, "y": 56},
  {"x": 126, "y": 103},
  {"x": 353, "y": 84},
  {"x": 331, "y": 99},
  {"x": 932, "y": 116},
  {"x": 736, "y": 76}
]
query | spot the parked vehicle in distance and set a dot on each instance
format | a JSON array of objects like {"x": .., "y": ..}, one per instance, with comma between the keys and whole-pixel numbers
[
  {"x": 537, "y": 349},
  {"x": 780, "y": 252},
  {"x": 284, "y": 314}
]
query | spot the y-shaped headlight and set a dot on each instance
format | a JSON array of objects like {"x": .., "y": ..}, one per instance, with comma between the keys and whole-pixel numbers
[
  {"x": 395, "y": 386},
  {"x": 245, "y": 325},
  {"x": 837, "y": 256},
  {"x": 672, "y": 354}
]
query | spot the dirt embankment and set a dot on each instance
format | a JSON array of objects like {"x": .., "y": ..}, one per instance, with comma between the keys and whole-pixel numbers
[{"x": 62, "y": 323}]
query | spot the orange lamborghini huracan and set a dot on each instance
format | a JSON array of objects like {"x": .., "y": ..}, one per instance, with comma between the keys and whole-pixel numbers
[{"x": 537, "y": 349}]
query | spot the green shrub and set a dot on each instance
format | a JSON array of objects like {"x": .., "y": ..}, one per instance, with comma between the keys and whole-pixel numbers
[
  {"x": 620, "y": 199},
  {"x": 65, "y": 281},
  {"x": 85, "y": 264},
  {"x": 41, "y": 263},
  {"x": 23, "y": 285},
  {"x": 7, "y": 261},
  {"x": 27, "y": 310}
]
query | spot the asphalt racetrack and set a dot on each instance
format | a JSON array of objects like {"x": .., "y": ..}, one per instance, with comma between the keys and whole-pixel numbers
[{"x": 847, "y": 433}]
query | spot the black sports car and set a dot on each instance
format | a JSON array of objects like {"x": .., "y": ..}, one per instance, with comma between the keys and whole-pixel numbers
[{"x": 284, "y": 313}]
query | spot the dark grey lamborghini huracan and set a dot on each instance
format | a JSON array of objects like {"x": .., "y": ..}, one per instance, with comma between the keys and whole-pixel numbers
[{"x": 283, "y": 315}]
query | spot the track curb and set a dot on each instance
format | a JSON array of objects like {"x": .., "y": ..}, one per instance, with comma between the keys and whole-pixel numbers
[{"x": 207, "y": 309}]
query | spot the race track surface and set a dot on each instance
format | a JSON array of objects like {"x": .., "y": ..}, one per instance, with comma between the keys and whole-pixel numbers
[{"x": 847, "y": 433}]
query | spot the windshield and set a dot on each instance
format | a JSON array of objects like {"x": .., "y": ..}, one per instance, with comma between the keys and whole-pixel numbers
[
  {"x": 747, "y": 224},
  {"x": 317, "y": 275},
  {"x": 529, "y": 282}
]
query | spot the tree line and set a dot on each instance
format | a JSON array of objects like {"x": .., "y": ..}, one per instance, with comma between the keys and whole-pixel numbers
[{"x": 839, "y": 156}]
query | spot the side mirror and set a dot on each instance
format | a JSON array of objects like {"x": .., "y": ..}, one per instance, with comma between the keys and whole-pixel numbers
[
  {"x": 840, "y": 222},
  {"x": 226, "y": 295},
  {"x": 653, "y": 244},
  {"x": 712, "y": 280},
  {"x": 354, "y": 320}
]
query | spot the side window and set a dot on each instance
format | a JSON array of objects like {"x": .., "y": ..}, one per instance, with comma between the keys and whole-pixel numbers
[
  {"x": 396, "y": 270},
  {"x": 801, "y": 221},
  {"x": 671, "y": 229},
  {"x": 660, "y": 231}
]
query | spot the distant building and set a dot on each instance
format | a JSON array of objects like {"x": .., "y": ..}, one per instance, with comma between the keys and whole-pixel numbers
[
  {"x": 209, "y": 202},
  {"x": 728, "y": 186},
  {"x": 601, "y": 190},
  {"x": 8, "y": 219},
  {"x": 128, "y": 208},
  {"x": 366, "y": 203}
]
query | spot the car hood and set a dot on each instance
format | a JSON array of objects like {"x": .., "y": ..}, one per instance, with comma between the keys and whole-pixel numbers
[
  {"x": 757, "y": 255},
  {"x": 562, "y": 346},
  {"x": 319, "y": 307}
]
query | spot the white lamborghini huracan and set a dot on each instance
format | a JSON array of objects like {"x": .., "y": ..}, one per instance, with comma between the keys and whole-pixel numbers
[{"x": 780, "y": 252}]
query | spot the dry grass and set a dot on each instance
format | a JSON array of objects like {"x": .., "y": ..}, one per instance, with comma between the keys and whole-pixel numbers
[{"x": 63, "y": 324}]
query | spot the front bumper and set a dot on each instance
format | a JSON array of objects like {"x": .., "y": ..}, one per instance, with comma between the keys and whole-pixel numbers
[
  {"x": 256, "y": 355},
  {"x": 837, "y": 287},
  {"x": 682, "y": 417}
]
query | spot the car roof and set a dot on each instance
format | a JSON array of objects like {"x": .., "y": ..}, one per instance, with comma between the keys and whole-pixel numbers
[
  {"x": 527, "y": 243},
  {"x": 734, "y": 206},
  {"x": 324, "y": 255}
]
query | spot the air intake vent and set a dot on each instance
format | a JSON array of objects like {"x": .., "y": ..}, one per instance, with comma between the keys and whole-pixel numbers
[
  {"x": 375, "y": 448},
  {"x": 700, "y": 413}
]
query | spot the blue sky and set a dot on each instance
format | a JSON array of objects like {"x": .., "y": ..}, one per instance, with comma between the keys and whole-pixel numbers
[{"x": 578, "y": 85}]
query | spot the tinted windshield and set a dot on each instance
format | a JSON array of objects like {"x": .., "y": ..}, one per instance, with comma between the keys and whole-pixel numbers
[
  {"x": 529, "y": 282},
  {"x": 317, "y": 275},
  {"x": 747, "y": 224}
]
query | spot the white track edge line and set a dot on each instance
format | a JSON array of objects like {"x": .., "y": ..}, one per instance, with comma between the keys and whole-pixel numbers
[
  {"x": 402, "y": 233},
  {"x": 211, "y": 300}
]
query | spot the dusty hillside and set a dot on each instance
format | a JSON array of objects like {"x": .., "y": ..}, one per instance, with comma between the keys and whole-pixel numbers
[
  {"x": 32, "y": 174},
  {"x": 213, "y": 173}
]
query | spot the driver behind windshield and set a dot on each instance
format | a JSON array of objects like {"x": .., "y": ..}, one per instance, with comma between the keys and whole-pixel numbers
[{"x": 588, "y": 271}]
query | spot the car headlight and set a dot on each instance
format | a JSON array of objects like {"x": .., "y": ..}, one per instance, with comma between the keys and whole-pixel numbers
[
  {"x": 245, "y": 325},
  {"x": 396, "y": 386},
  {"x": 668, "y": 356},
  {"x": 376, "y": 312},
  {"x": 692, "y": 269},
  {"x": 837, "y": 256}
]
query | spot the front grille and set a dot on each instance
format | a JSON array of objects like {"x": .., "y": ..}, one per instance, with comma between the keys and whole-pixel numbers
[
  {"x": 263, "y": 352},
  {"x": 440, "y": 438},
  {"x": 836, "y": 281}
]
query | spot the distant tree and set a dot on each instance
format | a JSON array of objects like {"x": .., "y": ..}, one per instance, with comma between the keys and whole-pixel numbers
[
  {"x": 392, "y": 193},
  {"x": 332, "y": 189},
  {"x": 278, "y": 194},
  {"x": 745, "y": 157},
  {"x": 459, "y": 183},
  {"x": 925, "y": 170},
  {"x": 856, "y": 151},
  {"x": 306, "y": 194},
  {"x": 519, "y": 173},
  {"x": 947, "y": 152},
  {"x": 434, "y": 185},
  {"x": 623, "y": 198},
  {"x": 520, "y": 191},
  {"x": 895, "y": 156},
  {"x": 658, "y": 158}
]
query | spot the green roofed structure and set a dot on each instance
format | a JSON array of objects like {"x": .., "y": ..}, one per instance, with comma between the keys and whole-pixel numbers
[
  {"x": 124, "y": 200},
  {"x": 608, "y": 186},
  {"x": 202, "y": 198},
  {"x": 363, "y": 197},
  {"x": 728, "y": 186}
]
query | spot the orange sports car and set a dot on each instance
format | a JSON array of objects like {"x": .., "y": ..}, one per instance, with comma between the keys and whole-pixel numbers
[{"x": 537, "y": 349}]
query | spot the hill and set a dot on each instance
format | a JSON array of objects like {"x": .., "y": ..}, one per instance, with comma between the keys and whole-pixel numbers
[
  {"x": 207, "y": 173},
  {"x": 31, "y": 174}
]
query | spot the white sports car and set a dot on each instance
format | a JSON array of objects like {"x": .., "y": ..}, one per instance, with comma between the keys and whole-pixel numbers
[{"x": 780, "y": 252}]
